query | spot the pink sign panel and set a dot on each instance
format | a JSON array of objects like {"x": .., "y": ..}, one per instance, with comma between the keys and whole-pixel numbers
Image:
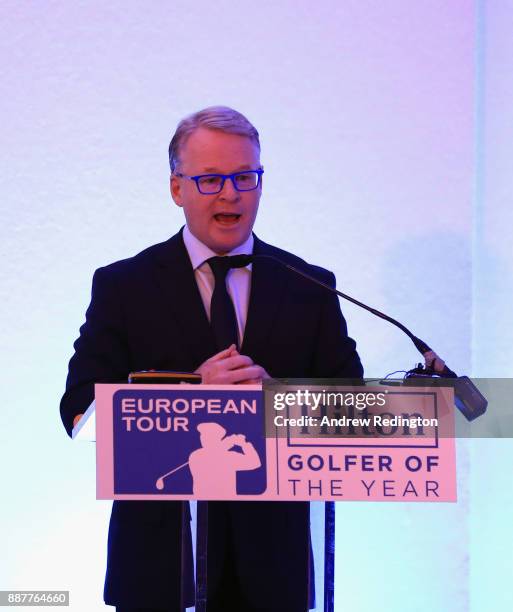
[{"x": 205, "y": 442}]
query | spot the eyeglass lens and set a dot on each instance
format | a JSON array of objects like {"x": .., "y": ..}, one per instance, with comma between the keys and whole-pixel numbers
[{"x": 243, "y": 181}]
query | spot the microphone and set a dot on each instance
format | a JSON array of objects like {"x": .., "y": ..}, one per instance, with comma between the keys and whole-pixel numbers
[
  {"x": 422, "y": 347},
  {"x": 467, "y": 397}
]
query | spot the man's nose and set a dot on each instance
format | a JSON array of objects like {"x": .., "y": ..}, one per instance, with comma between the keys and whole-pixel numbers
[{"x": 228, "y": 192}]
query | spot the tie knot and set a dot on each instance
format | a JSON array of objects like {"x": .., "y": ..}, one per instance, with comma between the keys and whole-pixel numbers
[{"x": 221, "y": 265}]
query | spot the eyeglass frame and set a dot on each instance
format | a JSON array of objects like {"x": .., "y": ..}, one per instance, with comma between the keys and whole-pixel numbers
[{"x": 224, "y": 177}]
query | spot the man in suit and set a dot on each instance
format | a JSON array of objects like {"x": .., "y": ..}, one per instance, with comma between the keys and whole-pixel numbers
[{"x": 156, "y": 310}]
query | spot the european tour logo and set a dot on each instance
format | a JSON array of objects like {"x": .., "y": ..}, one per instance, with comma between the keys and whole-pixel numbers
[{"x": 183, "y": 442}]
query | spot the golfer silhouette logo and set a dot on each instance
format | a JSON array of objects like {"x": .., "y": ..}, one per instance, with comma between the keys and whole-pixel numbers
[{"x": 215, "y": 464}]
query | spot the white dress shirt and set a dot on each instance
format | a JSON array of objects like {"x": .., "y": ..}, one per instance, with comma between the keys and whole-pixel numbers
[{"x": 238, "y": 280}]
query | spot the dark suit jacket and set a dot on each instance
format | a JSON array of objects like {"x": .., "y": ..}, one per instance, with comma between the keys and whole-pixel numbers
[{"x": 146, "y": 312}]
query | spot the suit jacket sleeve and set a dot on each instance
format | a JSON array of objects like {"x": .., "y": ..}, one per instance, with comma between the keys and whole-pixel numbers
[{"x": 101, "y": 352}]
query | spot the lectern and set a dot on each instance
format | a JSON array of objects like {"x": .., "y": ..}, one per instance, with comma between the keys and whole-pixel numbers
[{"x": 203, "y": 443}]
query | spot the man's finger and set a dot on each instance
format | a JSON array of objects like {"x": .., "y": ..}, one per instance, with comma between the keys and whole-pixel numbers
[
  {"x": 223, "y": 354},
  {"x": 252, "y": 372},
  {"x": 237, "y": 361}
]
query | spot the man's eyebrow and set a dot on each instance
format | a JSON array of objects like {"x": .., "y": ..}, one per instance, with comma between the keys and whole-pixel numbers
[{"x": 217, "y": 171}]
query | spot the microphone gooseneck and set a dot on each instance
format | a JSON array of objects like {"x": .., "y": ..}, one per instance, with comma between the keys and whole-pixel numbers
[
  {"x": 421, "y": 346},
  {"x": 467, "y": 397}
]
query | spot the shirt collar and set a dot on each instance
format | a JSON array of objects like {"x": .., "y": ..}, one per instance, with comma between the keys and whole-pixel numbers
[{"x": 199, "y": 252}]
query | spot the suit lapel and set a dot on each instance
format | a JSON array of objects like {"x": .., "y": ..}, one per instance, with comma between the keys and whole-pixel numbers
[
  {"x": 268, "y": 282},
  {"x": 178, "y": 285}
]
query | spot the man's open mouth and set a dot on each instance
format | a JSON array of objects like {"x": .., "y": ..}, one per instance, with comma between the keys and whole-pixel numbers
[{"x": 227, "y": 218}]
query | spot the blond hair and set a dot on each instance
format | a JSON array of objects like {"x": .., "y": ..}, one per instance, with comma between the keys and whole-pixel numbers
[{"x": 222, "y": 118}]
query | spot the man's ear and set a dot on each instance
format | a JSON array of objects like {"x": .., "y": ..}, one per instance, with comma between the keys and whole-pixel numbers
[{"x": 175, "y": 189}]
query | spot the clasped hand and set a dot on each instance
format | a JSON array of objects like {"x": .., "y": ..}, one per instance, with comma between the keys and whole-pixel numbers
[{"x": 229, "y": 367}]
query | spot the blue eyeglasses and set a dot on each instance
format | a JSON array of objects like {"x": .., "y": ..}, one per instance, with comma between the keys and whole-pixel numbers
[{"x": 209, "y": 184}]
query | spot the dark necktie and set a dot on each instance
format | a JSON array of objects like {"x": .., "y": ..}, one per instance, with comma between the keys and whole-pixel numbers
[{"x": 222, "y": 312}]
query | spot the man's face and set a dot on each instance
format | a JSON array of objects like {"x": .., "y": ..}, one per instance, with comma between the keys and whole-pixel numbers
[{"x": 224, "y": 220}]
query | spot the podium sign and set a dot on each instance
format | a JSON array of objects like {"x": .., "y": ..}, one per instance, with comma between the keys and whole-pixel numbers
[{"x": 206, "y": 442}]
